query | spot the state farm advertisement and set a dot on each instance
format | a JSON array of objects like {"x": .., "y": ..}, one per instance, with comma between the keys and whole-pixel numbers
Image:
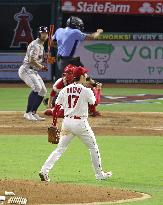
[{"x": 113, "y": 7}]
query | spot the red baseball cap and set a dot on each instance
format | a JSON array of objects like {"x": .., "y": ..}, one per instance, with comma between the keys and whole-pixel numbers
[
  {"x": 69, "y": 69},
  {"x": 78, "y": 71}
]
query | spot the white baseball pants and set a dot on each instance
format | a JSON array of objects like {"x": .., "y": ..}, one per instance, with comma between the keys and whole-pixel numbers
[
  {"x": 33, "y": 80},
  {"x": 70, "y": 128}
]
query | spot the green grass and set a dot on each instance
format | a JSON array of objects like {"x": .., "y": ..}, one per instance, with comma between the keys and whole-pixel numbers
[
  {"x": 146, "y": 106},
  {"x": 130, "y": 91},
  {"x": 16, "y": 99},
  {"x": 136, "y": 162}
]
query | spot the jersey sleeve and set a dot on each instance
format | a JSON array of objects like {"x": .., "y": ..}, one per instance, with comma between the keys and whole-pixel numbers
[
  {"x": 53, "y": 93},
  {"x": 79, "y": 35},
  {"x": 91, "y": 97},
  {"x": 55, "y": 114},
  {"x": 34, "y": 52},
  {"x": 58, "y": 85}
]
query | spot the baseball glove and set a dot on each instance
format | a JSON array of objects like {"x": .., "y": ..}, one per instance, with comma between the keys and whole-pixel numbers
[
  {"x": 51, "y": 59},
  {"x": 44, "y": 68},
  {"x": 53, "y": 135}
]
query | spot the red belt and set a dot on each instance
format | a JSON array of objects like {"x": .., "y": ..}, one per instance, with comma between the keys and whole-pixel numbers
[{"x": 75, "y": 117}]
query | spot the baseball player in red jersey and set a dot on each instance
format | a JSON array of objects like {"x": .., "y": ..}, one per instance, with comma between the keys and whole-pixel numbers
[
  {"x": 57, "y": 87},
  {"x": 75, "y": 98},
  {"x": 66, "y": 80}
]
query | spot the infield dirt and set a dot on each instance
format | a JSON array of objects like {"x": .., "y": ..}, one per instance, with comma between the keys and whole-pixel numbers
[{"x": 110, "y": 123}]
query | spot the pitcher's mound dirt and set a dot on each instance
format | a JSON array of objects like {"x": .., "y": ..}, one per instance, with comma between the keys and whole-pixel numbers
[{"x": 55, "y": 193}]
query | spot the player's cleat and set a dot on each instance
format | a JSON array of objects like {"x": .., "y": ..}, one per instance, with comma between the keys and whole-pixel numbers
[
  {"x": 29, "y": 116},
  {"x": 44, "y": 177},
  {"x": 38, "y": 117},
  {"x": 103, "y": 175}
]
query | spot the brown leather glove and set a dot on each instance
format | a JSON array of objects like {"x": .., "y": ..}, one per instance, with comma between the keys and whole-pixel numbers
[
  {"x": 53, "y": 135},
  {"x": 44, "y": 68},
  {"x": 51, "y": 60}
]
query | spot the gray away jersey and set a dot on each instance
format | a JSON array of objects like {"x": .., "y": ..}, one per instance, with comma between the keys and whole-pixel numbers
[{"x": 36, "y": 50}]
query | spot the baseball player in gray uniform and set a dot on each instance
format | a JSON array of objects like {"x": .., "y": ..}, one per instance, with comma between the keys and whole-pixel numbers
[{"x": 28, "y": 72}]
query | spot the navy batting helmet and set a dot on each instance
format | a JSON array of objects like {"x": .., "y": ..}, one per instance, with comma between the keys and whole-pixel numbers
[
  {"x": 75, "y": 23},
  {"x": 42, "y": 29}
]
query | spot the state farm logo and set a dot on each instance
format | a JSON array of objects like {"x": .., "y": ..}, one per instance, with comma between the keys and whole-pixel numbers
[
  {"x": 96, "y": 7},
  {"x": 146, "y": 8},
  {"x": 67, "y": 6}
]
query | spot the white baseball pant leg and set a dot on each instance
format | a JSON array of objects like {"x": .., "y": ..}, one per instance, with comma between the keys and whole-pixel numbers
[
  {"x": 56, "y": 154},
  {"x": 82, "y": 129},
  {"x": 88, "y": 138}
]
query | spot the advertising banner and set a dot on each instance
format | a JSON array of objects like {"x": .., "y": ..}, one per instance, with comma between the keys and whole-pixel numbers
[
  {"x": 123, "y": 61},
  {"x": 9, "y": 65},
  {"x": 114, "y": 6},
  {"x": 131, "y": 36}
]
